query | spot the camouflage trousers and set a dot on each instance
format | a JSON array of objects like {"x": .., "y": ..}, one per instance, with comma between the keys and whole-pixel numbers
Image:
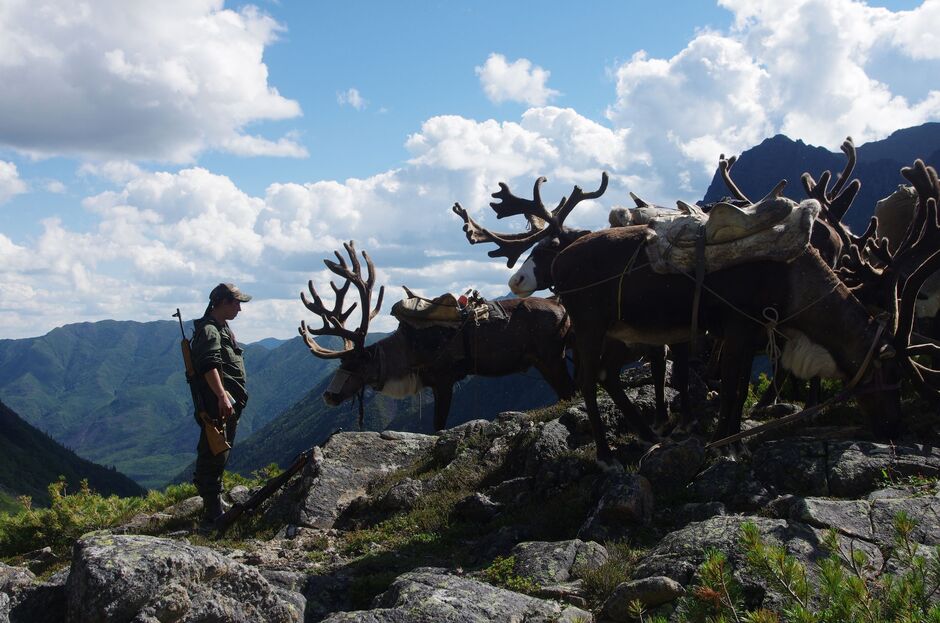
[{"x": 209, "y": 467}]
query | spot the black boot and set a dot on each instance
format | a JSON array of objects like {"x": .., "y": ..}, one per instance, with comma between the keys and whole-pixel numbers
[{"x": 211, "y": 508}]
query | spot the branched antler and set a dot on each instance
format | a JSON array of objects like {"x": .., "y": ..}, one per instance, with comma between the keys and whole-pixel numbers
[
  {"x": 334, "y": 320},
  {"x": 836, "y": 203},
  {"x": 542, "y": 223}
]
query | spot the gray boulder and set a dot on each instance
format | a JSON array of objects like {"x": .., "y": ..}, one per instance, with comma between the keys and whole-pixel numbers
[
  {"x": 431, "y": 596},
  {"x": 671, "y": 466},
  {"x": 627, "y": 501},
  {"x": 121, "y": 577},
  {"x": 732, "y": 483},
  {"x": 547, "y": 562},
  {"x": 679, "y": 554},
  {"x": 925, "y": 511},
  {"x": 402, "y": 496},
  {"x": 343, "y": 469},
  {"x": 848, "y": 517},
  {"x": 845, "y": 469},
  {"x": 856, "y": 467},
  {"x": 796, "y": 466},
  {"x": 13, "y": 578},
  {"x": 652, "y": 591}
]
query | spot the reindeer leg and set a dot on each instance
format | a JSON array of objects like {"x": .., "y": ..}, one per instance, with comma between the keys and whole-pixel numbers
[
  {"x": 442, "y": 398},
  {"x": 657, "y": 357},
  {"x": 555, "y": 373},
  {"x": 680, "y": 382},
  {"x": 815, "y": 388},
  {"x": 587, "y": 358},
  {"x": 737, "y": 357}
]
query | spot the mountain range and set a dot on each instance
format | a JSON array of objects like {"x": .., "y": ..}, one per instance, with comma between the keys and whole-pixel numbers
[
  {"x": 879, "y": 164},
  {"x": 115, "y": 391}
]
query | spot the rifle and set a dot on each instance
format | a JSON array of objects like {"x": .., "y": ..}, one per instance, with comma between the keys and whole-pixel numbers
[
  {"x": 216, "y": 438},
  {"x": 226, "y": 519}
]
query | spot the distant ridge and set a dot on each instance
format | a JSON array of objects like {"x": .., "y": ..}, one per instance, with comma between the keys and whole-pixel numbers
[
  {"x": 115, "y": 393},
  {"x": 879, "y": 164},
  {"x": 30, "y": 460}
]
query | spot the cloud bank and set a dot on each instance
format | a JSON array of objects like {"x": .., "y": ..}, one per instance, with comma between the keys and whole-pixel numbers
[{"x": 137, "y": 80}]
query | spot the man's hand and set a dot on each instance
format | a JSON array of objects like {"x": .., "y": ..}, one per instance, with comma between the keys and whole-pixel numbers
[
  {"x": 225, "y": 407},
  {"x": 226, "y": 410}
]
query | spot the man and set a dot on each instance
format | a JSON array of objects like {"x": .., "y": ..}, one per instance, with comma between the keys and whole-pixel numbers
[{"x": 220, "y": 370}]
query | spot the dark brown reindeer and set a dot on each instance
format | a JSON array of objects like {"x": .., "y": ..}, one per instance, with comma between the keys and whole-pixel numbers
[
  {"x": 437, "y": 357},
  {"x": 549, "y": 236},
  {"x": 829, "y": 235},
  {"x": 610, "y": 290}
]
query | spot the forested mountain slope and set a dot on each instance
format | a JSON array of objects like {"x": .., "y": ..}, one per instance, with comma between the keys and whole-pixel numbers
[{"x": 30, "y": 460}]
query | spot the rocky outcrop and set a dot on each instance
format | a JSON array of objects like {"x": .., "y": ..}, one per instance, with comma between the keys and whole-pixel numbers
[
  {"x": 546, "y": 562},
  {"x": 342, "y": 471},
  {"x": 433, "y": 595},
  {"x": 125, "y": 577},
  {"x": 535, "y": 494}
]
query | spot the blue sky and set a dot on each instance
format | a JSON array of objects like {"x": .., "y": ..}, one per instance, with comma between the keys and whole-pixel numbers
[{"x": 151, "y": 150}]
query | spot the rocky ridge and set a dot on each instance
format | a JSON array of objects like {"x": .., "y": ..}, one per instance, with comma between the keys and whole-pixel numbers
[{"x": 507, "y": 520}]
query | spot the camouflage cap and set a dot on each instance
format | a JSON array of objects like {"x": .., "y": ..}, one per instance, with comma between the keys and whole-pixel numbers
[{"x": 227, "y": 290}]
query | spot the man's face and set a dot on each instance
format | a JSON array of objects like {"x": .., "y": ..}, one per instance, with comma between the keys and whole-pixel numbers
[{"x": 229, "y": 308}]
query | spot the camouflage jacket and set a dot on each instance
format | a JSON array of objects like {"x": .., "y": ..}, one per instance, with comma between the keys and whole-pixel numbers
[{"x": 213, "y": 346}]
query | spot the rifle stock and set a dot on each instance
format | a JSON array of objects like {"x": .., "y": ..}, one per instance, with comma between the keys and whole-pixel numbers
[{"x": 229, "y": 517}]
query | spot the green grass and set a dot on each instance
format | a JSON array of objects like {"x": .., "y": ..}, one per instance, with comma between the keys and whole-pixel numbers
[
  {"x": 73, "y": 513},
  {"x": 502, "y": 572},
  {"x": 600, "y": 582}
]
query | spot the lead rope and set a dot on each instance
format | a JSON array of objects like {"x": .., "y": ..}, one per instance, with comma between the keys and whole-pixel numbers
[
  {"x": 809, "y": 411},
  {"x": 773, "y": 349}
]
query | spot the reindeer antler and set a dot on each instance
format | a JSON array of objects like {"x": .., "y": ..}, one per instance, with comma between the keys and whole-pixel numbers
[
  {"x": 836, "y": 203},
  {"x": 927, "y": 379},
  {"x": 334, "y": 320},
  {"x": 542, "y": 223}
]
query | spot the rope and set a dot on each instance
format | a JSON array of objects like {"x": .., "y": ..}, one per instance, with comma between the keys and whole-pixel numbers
[
  {"x": 773, "y": 350},
  {"x": 750, "y": 317}
]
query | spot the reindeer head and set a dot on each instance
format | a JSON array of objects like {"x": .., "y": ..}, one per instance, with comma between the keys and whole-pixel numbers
[
  {"x": 358, "y": 363},
  {"x": 547, "y": 233}
]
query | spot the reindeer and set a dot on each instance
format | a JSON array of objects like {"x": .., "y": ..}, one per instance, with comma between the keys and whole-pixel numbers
[
  {"x": 606, "y": 283},
  {"x": 550, "y": 236},
  {"x": 829, "y": 236},
  {"x": 410, "y": 359}
]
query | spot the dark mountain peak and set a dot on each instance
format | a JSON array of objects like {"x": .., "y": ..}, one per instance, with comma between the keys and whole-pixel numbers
[{"x": 879, "y": 163}]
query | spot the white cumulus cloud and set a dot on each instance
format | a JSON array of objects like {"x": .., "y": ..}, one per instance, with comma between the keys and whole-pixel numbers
[
  {"x": 154, "y": 80},
  {"x": 351, "y": 97},
  {"x": 10, "y": 182},
  {"x": 819, "y": 71},
  {"x": 518, "y": 81}
]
